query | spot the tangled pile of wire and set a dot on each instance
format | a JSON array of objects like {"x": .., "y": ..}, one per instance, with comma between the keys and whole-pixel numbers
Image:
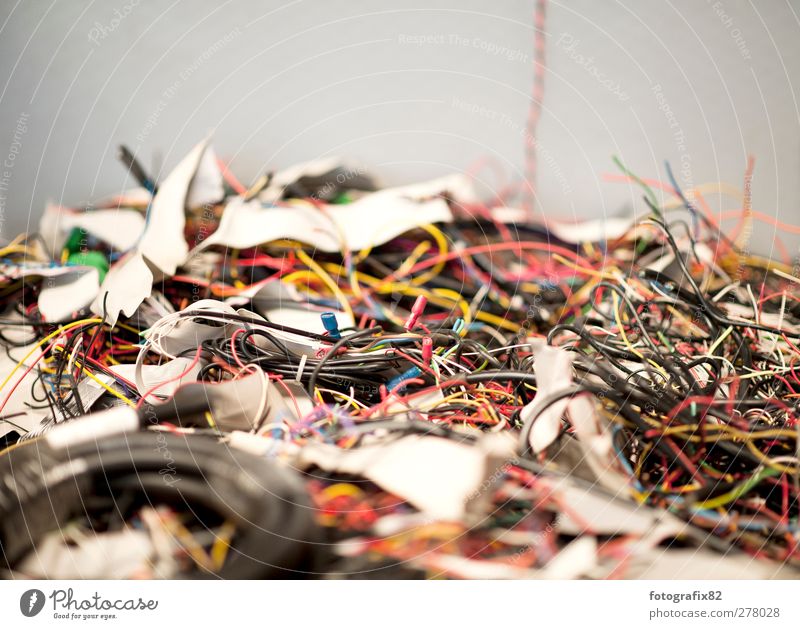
[{"x": 684, "y": 346}]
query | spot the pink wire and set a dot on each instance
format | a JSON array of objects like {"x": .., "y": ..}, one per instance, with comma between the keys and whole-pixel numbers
[{"x": 171, "y": 380}]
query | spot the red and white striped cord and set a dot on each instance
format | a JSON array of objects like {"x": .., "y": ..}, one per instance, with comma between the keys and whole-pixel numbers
[{"x": 535, "y": 111}]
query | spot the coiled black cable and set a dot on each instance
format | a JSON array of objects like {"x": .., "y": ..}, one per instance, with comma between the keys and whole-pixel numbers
[{"x": 42, "y": 489}]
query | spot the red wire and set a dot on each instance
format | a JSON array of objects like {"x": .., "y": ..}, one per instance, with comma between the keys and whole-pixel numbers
[
  {"x": 27, "y": 371},
  {"x": 191, "y": 366},
  {"x": 233, "y": 347}
]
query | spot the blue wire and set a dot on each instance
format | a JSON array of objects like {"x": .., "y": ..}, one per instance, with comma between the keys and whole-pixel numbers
[
  {"x": 624, "y": 462},
  {"x": 689, "y": 206}
]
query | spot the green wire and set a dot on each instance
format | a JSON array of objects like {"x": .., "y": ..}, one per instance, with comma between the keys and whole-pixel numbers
[
  {"x": 738, "y": 491},
  {"x": 665, "y": 341},
  {"x": 647, "y": 189}
]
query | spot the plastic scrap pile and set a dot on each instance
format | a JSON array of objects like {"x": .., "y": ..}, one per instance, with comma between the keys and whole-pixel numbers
[{"x": 319, "y": 377}]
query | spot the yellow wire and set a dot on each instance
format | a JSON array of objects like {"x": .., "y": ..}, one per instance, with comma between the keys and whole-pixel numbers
[
  {"x": 583, "y": 269},
  {"x": 441, "y": 242},
  {"x": 38, "y": 345},
  {"x": 127, "y": 327},
  {"x": 445, "y": 298},
  {"x": 221, "y": 545},
  {"x": 191, "y": 545},
  {"x": 111, "y": 390},
  {"x": 19, "y": 444},
  {"x": 412, "y": 259},
  {"x": 12, "y": 249},
  {"x": 719, "y": 341},
  {"x": 342, "y": 489},
  {"x": 304, "y": 275},
  {"x": 328, "y": 281}
]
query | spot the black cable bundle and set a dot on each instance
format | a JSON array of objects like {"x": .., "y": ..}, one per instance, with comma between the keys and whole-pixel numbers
[{"x": 42, "y": 489}]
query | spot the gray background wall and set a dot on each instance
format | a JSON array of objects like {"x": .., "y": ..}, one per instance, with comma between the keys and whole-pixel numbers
[{"x": 702, "y": 83}]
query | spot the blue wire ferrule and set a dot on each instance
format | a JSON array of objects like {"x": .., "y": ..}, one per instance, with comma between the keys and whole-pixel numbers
[
  {"x": 330, "y": 324},
  {"x": 406, "y": 375}
]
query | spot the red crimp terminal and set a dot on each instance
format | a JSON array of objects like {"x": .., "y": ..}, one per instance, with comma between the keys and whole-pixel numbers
[
  {"x": 427, "y": 350},
  {"x": 416, "y": 311}
]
